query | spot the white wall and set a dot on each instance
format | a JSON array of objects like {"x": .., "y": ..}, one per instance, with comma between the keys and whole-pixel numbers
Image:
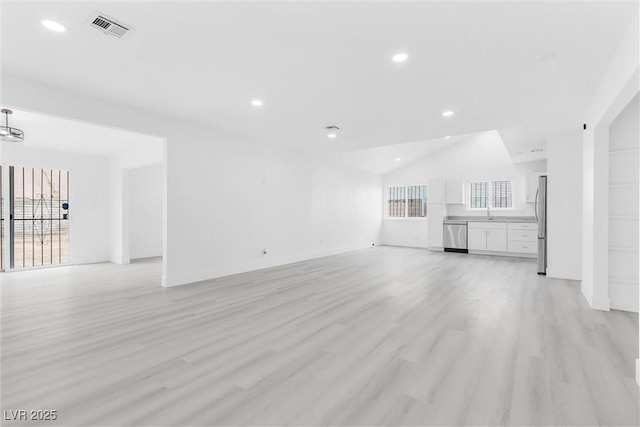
[
  {"x": 88, "y": 196},
  {"x": 480, "y": 157},
  {"x": 624, "y": 134},
  {"x": 118, "y": 231},
  {"x": 238, "y": 200},
  {"x": 564, "y": 205},
  {"x": 228, "y": 198},
  {"x": 144, "y": 199},
  {"x": 409, "y": 232}
]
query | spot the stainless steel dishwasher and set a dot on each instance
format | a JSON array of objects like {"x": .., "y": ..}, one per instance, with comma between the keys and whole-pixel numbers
[{"x": 455, "y": 236}]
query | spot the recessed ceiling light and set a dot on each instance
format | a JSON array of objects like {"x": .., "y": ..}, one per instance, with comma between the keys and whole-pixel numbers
[
  {"x": 448, "y": 136},
  {"x": 257, "y": 103},
  {"x": 53, "y": 26},
  {"x": 400, "y": 57},
  {"x": 447, "y": 113},
  {"x": 397, "y": 159},
  {"x": 332, "y": 135}
]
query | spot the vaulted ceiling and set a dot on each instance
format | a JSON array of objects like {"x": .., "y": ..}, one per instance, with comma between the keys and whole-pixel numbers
[{"x": 527, "y": 68}]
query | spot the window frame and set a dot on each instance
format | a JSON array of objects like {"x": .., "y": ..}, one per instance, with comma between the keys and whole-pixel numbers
[
  {"x": 490, "y": 195},
  {"x": 406, "y": 203}
]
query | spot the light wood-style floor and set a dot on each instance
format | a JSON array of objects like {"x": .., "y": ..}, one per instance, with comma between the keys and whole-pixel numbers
[{"x": 383, "y": 336}]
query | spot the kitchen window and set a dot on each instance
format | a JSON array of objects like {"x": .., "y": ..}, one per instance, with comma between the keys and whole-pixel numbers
[
  {"x": 493, "y": 194},
  {"x": 407, "y": 201}
]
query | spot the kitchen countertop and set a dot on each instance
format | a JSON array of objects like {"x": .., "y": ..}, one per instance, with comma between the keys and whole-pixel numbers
[{"x": 496, "y": 218}]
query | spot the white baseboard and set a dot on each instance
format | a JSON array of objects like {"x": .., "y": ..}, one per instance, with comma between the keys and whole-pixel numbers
[
  {"x": 624, "y": 305},
  {"x": 584, "y": 291},
  {"x": 600, "y": 303},
  {"x": 505, "y": 254},
  {"x": 560, "y": 274},
  {"x": 80, "y": 260},
  {"x": 597, "y": 302},
  {"x": 403, "y": 246},
  {"x": 199, "y": 276},
  {"x": 146, "y": 259},
  {"x": 145, "y": 255},
  {"x": 623, "y": 294},
  {"x": 436, "y": 248}
]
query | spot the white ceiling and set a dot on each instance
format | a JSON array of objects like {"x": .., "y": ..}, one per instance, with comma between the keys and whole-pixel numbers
[
  {"x": 528, "y": 67},
  {"x": 386, "y": 158},
  {"x": 54, "y": 133}
]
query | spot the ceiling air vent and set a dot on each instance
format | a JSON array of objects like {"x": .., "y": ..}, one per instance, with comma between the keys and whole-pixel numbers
[{"x": 107, "y": 25}]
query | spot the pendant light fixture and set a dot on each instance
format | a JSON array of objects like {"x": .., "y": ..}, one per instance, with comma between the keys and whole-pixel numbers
[{"x": 8, "y": 133}]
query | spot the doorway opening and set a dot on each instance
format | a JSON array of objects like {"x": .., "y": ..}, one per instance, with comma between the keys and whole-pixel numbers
[{"x": 118, "y": 212}]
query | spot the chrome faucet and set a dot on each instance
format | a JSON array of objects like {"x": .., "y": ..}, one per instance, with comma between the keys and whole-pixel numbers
[{"x": 489, "y": 212}]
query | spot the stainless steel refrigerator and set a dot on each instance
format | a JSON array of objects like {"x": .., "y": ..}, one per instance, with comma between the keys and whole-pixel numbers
[{"x": 541, "y": 219}]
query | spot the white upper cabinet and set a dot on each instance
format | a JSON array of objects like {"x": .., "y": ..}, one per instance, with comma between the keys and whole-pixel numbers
[{"x": 455, "y": 191}]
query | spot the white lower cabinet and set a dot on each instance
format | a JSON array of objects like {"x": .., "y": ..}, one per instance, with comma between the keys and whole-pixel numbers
[
  {"x": 523, "y": 247},
  {"x": 497, "y": 240},
  {"x": 523, "y": 238},
  {"x": 501, "y": 238},
  {"x": 487, "y": 236},
  {"x": 477, "y": 239}
]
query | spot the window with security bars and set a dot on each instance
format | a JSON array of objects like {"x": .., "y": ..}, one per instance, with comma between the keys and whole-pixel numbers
[
  {"x": 407, "y": 201},
  {"x": 501, "y": 194},
  {"x": 479, "y": 194},
  {"x": 397, "y": 202},
  {"x": 492, "y": 194}
]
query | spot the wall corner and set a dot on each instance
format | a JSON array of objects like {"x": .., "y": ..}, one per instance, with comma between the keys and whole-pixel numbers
[{"x": 596, "y": 302}]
